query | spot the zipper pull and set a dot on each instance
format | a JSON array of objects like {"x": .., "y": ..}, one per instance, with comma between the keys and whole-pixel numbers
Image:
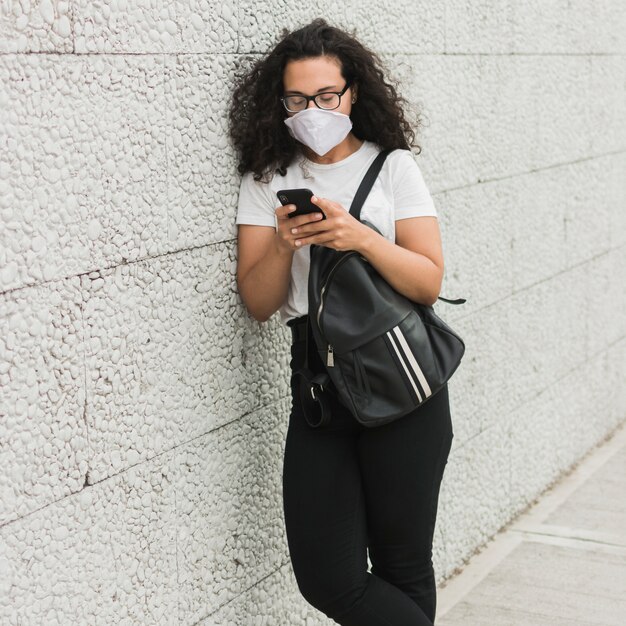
[{"x": 330, "y": 359}]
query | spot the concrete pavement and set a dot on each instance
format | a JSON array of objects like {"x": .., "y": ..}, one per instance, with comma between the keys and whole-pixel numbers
[{"x": 561, "y": 563}]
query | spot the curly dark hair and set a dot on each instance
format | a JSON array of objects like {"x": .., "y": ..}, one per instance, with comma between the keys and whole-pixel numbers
[{"x": 256, "y": 122}]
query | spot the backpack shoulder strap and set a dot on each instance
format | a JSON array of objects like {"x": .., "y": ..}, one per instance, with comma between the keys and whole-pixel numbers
[
  {"x": 363, "y": 191},
  {"x": 367, "y": 183}
]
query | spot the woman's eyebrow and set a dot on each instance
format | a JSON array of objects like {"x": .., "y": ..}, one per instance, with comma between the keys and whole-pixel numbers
[{"x": 321, "y": 89}]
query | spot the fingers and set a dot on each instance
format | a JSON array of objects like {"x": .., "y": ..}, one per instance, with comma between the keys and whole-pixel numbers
[
  {"x": 286, "y": 223},
  {"x": 324, "y": 204},
  {"x": 320, "y": 238},
  {"x": 283, "y": 212}
]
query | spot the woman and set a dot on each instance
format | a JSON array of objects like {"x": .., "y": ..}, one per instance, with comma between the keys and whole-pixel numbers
[{"x": 314, "y": 113}]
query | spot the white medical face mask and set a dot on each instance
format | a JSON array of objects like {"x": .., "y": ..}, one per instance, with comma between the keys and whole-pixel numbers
[{"x": 319, "y": 129}]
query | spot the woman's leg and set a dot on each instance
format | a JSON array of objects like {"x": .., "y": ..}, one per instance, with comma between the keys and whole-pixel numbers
[
  {"x": 326, "y": 524},
  {"x": 402, "y": 465}
]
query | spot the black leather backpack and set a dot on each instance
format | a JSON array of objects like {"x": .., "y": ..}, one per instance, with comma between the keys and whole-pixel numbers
[{"x": 385, "y": 354}]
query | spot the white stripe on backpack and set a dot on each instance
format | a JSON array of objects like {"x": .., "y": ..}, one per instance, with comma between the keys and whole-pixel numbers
[{"x": 408, "y": 361}]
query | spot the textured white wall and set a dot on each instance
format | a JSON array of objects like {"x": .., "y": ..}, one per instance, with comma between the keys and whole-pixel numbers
[{"x": 143, "y": 412}]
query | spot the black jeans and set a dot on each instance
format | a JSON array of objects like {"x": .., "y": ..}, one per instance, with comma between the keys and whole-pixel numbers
[{"x": 348, "y": 489}]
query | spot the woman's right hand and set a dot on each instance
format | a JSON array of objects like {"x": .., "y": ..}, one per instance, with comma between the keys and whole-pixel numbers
[{"x": 285, "y": 237}]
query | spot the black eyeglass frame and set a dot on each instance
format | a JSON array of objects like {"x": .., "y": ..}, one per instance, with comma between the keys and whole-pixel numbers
[{"x": 309, "y": 98}]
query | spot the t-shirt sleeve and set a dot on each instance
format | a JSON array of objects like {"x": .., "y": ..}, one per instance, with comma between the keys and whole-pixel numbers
[
  {"x": 255, "y": 205},
  {"x": 410, "y": 194}
]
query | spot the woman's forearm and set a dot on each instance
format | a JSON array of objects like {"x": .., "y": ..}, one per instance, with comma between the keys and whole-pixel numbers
[
  {"x": 413, "y": 275},
  {"x": 264, "y": 288}
]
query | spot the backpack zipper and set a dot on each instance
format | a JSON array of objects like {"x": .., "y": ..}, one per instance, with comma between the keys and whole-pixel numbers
[
  {"x": 328, "y": 278},
  {"x": 330, "y": 359}
]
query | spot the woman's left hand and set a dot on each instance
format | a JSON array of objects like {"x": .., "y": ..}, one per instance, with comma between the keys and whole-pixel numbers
[{"x": 340, "y": 230}]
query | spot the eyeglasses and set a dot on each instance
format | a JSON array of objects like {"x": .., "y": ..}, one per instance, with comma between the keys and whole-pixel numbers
[{"x": 324, "y": 100}]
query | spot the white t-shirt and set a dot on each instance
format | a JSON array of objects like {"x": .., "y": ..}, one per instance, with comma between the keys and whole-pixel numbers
[{"x": 399, "y": 192}]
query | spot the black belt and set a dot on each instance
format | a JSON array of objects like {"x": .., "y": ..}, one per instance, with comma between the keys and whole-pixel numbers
[{"x": 299, "y": 328}]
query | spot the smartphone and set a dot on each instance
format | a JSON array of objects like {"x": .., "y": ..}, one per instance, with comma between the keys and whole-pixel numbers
[{"x": 302, "y": 199}]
